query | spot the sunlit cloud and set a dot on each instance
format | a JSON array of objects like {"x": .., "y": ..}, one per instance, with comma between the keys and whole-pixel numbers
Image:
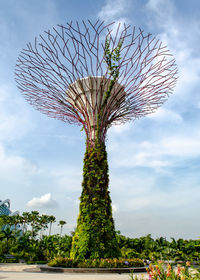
[
  {"x": 45, "y": 201},
  {"x": 111, "y": 12}
]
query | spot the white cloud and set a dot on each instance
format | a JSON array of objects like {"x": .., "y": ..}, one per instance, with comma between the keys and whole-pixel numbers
[
  {"x": 120, "y": 129},
  {"x": 176, "y": 33},
  {"x": 163, "y": 11},
  {"x": 115, "y": 208},
  {"x": 181, "y": 146},
  {"x": 165, "y": 152},
  {"x": 45, "y": 201},
  {"x": 115, "y": 14},
  {"x": 166, "y": 115},
  {"x": 114, "y": 10}
]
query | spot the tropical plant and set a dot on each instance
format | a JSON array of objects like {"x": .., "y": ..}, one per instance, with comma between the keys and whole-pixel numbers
[
  {"x": 43, "y": 223},
  {"x": 7, "y": 236},
  {"x": 51, "y": 220},
  {"x": 61, "y": 224}
]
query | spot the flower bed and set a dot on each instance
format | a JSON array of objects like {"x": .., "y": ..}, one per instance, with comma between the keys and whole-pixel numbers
[{"x": 161, "y": 271}]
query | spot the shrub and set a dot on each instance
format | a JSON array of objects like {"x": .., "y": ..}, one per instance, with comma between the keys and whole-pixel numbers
[
  {"x": 36, "y": 262},
  {"x": 62, "y": 262},
  {"x": 96, "y": 263},
  {"x": 129, "y": 253}
]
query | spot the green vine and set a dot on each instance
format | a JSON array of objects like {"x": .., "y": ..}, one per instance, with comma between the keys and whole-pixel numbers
[{"x": 111, "y": 58}]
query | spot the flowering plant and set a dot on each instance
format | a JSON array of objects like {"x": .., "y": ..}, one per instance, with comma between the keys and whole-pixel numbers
[{"x": 160, "y": 271}]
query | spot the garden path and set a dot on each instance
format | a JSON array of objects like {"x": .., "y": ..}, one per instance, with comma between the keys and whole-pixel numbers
[{"x": 63, "y": 276}]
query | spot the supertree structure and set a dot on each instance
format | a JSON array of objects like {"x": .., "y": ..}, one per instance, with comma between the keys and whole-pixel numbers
[{"x": 95, "y": 75}]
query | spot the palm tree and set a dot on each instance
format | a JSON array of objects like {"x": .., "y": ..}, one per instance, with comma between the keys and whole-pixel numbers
[
  {"x": 16, "y": 219},
  {"x": 25, "y": 216},
  {"x": 51, "y": 219},
  {"x": 42, "y": 223},
  {"x": 7, "y": 234},
  {"x": 34, "y": 217},
  {"x": 61, "y": 224}
]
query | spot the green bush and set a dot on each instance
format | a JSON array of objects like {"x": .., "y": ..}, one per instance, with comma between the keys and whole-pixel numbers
[
  {"x": 36, "y": 262},
  {"x": 96, "y": 263},
  {"x": 9, "y": 260},
  {"x": 62, "y": 262},
  {"x": 129, "y": 253}
]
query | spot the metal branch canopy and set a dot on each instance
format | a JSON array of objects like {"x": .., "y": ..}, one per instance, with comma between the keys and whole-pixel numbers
[{"x": 64, "y": 74}]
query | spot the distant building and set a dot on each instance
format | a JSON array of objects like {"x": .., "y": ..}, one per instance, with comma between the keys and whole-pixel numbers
[{"x": 5, "y": 208}]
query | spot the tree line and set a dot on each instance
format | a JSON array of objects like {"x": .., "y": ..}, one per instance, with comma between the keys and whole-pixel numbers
[{"x": 29, "y": 237}]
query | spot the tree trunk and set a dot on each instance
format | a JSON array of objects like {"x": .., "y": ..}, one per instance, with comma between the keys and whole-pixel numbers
[
  {"x": 50, "y": 228},
  {"x": 95, "y": 235}
]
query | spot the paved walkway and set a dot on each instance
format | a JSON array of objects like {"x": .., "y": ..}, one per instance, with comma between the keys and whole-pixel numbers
[
  {"x": 63, "y": 276},
  {"x": 17, "y": 267},
  {"x": 15, "y": 272}
]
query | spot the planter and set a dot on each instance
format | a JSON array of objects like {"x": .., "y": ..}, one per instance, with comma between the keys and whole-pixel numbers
[{"x": 46, "y": 268}]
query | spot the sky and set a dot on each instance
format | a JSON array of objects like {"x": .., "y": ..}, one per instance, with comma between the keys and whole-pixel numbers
[{"x": 154, "y": 162}]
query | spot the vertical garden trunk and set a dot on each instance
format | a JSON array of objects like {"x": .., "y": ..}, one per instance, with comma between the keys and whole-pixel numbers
[{"x": 95, "y": 235}]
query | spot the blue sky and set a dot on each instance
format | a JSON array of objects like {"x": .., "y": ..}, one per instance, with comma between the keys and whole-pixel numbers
[{"x": 154, "y": 162}]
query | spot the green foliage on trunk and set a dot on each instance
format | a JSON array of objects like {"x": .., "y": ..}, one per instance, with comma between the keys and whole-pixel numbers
[{"x": 95, "y": 235}]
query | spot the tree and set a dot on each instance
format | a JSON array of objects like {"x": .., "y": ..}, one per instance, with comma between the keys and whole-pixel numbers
[
  {"x": 61, "y": 224},
  {"x": 9, "y": 235},
  {"x": 95, "y": 75},
  {"x": 52, "y": 219},
  {"x": 34, "y": 220},
  {"x": 16, "y": 220},
  {"x": 43, "y": 223},
  {"x": 26, "y": 220}
]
